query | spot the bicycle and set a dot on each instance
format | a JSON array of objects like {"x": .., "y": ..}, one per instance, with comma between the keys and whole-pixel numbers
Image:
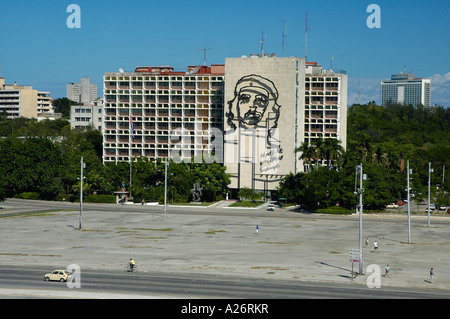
[{"x": 129, "y": 269}]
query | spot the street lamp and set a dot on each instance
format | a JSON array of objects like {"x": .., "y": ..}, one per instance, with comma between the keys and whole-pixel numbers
[
  {"x": 165, "y": 187},
  {"x": 83, "y": 165},
  {"x": 430, "y": 170},
  {"x": 360, "y": 191},
  {"x": 408, "y": 171}
]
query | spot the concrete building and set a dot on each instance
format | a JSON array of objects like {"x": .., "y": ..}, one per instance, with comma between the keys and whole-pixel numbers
[
  {"x": 405, "y": 89},
  {"x": 23, "y": 100},
  {"x": 273, "y": 105},
  {"x": 325, "y": 104},
  {"x": 87, "y": 115},
  {"x": 158, "y": 112},
  {"x": 83, "y": 93}
]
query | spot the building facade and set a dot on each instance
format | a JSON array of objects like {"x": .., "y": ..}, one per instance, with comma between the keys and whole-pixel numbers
[
  {"x": 87, "y": 115},
  {"x": 406, "y": 89},
  {"x": 157, "y": 112},
  {"x": 83, "y": 93},
  {"x": 325, "y": 104},
  {"x": 273, "y": 105},
  {"x": 23, "y": 100}
]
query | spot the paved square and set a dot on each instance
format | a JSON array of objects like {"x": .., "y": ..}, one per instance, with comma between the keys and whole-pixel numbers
[{"x": 289, "y": 245}]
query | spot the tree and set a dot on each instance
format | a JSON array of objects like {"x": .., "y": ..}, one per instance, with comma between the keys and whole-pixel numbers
[
  {"x": 290, "y": 187},
  {"x": 307, "y": 153},
  {"x": 333, "y": 150},
  {"x": 31, "y": 165},
  {"x": 62, "y": 105}
]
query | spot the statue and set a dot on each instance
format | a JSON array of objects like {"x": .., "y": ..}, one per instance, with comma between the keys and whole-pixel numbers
[{"x": 196, "y": 192}]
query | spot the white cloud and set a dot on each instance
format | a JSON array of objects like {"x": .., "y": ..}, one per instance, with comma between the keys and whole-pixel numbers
[{"x": 440, "y": 89}]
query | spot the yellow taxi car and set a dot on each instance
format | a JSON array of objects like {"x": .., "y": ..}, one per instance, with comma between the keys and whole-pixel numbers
[{"x": 57, "y": 275}]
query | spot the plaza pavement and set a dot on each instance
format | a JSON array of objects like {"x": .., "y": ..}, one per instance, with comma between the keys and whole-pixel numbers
[{"x": 289, "y": 245}]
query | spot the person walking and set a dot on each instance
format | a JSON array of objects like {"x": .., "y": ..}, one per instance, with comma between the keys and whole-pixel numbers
[
  {"x": 367, "y": 242},
  {"x": 257, "y": 229},
  {"x": 375, "y": 246},
  {"x": 387, "y": 272},
  {"x": 431, "y": 274}
]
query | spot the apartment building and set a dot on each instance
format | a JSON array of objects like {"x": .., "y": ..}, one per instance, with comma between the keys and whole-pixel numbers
[
  {"x": 325, "y": 104},
  {"x": 83, "y": 93},
  {"x": 158, "y": 112},
  {"x": 87, "y": 115},
  {"x": 23, "y": 100},
  {"x": 405, "y": 89}
]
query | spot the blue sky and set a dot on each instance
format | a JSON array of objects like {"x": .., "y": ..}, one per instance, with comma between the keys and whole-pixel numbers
[{"x": 37, "y": 48}]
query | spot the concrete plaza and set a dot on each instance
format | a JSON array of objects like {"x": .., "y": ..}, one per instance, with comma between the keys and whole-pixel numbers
[{"x": 224, "y": 241}]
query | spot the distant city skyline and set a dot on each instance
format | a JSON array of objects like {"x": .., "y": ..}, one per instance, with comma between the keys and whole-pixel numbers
[{"x": 47, "y": 54}]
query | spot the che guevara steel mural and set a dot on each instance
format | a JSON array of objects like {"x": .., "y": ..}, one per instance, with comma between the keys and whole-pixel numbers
[{"x": 255, "y": 111}]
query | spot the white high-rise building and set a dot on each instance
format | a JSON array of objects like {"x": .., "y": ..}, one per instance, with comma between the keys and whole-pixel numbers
[
  {"x": 83, "y": 93},
  {"x": 406, "y": 89}
]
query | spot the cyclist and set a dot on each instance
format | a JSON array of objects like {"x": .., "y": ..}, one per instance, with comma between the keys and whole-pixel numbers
[{"x": 132, "y": 263}]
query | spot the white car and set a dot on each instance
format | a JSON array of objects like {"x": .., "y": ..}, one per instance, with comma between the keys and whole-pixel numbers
[
  {"x": 392, "y": 205},
  {"x": 57, "y": 275},
  {"x": 271, "y": 207}
]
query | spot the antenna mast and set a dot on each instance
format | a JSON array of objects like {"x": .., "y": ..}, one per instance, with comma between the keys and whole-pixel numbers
[
  {"x": 306, "y": 35},
  {"x": 262, "y": 44},
  {"x": 284, "y": 34},
  {"x": 204, "y": 55}
]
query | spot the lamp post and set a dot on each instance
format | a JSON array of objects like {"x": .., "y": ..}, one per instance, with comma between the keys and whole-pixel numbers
[
  {"x": 430, "y": 170},
  {"x": 360, "y": 191},
  {"x": 408, "y": 202},
  {"x": 81, "y": 192},
  {"x": 165, "y": 187}
]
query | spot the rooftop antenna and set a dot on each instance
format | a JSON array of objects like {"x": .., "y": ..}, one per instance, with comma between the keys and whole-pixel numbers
[
  {"x": 204, "y": 55},
  {"x": 284, "y": 34},
  {"x": 262, "y": 44},
  {"x": 306, "y": 35}
]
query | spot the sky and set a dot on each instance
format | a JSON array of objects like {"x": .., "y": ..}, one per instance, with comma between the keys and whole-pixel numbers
[{"x": 38, "y": 48}]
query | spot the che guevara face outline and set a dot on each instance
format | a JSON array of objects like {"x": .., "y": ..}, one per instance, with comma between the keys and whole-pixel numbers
[
  {"x": 254, "y": 97},
  {"x": 251, "y": 104}
]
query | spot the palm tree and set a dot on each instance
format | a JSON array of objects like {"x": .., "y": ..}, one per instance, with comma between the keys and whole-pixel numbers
[
  {"x": 380, "y": 157},
  {"x": 307, "y": 153},
  {"x": 363, "y": 145},
  {"x": 333, "y": 150},
  {"x": 319, "y": 148}
]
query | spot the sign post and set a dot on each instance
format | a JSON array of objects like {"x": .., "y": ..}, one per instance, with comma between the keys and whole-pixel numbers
[{"x": 354, "y": 257}]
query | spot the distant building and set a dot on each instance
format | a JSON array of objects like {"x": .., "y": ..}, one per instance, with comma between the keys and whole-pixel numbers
[
  {"x": 86, "y": 115},
  {"x": 23, "y": 100},
  {"x": 83, "y": 92},
  {"x": 406, "y": 89}
]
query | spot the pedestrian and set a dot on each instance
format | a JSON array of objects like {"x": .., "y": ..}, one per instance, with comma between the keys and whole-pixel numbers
[
  {"x": 375, "y": 246},
  {"x": 367, "y": 242},
  {"x": 431, "y": 274},
  {"x": 387, "y": 272},
  {"x": 257, "y": 229}
]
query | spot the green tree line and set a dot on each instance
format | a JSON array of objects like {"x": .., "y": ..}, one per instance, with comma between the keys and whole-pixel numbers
[
  {"x": 44, "y": 159},
  {"x": 378, "y": 137}
]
